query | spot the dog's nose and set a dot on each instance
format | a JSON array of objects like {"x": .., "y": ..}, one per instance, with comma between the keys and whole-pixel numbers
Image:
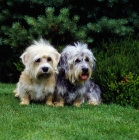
[
  {"x": 84, "y": 70},
  {"x": 45, "y": 69}
]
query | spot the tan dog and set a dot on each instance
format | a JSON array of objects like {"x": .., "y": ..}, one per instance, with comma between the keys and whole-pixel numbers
[{"x": 37, "y": 81}]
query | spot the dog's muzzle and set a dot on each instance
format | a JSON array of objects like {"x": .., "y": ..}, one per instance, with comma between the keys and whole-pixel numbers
[
  {"x": 84, "y": 74},
  {"x": 44, "y": 73},
  {"x": 84, "y": 70},
  {"x": 45, "y": 69}
]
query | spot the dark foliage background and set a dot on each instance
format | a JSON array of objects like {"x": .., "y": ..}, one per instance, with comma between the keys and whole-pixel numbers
[
  {"x": 61, "y": 22},
  {"x": 117, "y": 71}
]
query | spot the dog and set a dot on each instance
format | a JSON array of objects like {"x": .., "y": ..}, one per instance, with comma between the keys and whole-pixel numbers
[
  {"x": 74, "y": 84},
  {"x": 37, "y": 82}
]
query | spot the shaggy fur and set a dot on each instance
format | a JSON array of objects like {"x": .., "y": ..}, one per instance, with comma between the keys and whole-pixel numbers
[
  {"x": 37, "y": 81},
  {"x": 74, "y": 85}
]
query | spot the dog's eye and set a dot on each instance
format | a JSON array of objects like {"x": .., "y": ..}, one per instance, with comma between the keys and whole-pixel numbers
[
  {"x": 87, "y": 60},
  {"x": 77, "y": 61},
  {"x": 37, "y": 60},
  {"x": 49, "y": 59}
]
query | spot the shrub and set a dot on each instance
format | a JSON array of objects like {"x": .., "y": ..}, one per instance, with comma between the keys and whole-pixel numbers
[{"x": 117, "y": 71}]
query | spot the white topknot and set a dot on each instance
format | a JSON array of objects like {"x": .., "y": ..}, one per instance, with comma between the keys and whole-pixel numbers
[
  {"x": 41, "y": 42},
  {"x": 72, "y": 51},
  {"x": 79, "y": 44}
]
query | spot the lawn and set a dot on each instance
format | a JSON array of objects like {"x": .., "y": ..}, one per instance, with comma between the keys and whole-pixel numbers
[{"x": 38, "y": 121}]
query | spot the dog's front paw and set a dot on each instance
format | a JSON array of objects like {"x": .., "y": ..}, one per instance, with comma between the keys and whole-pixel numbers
[
  {"x": 49, "y": 100},
  {"x": 61, "y": 104},
  {"x": 50, "y": 103},
  {"x": 24, "y": 103},
  {"x": 25, "y": 100},
  {"x": 77, "y": 104}
]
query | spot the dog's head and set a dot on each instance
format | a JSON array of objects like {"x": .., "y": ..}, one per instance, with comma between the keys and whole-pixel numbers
[
  {"x": 40, "y": 60},
  {"x": 78, "y": 62}
]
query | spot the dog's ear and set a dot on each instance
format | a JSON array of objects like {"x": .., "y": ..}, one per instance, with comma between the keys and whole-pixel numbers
[
  {"x": 63, "y": 62},
  {"x": 24, "y": 58},
  {"x": 57, "y": 58},
  {"x": 93, "y": 66},
  {"x": 93, "y": 62}
]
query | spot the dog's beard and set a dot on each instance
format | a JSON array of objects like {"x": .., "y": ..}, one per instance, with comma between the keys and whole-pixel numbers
[
  {"x": 78, "y": 77},
  {"x": 43, "y": 76},
  {"x": 84, "y": 76}
]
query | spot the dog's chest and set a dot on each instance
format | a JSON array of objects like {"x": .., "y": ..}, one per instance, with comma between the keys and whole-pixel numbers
[
  {"x": 76, "y": 90},
  {"x": 40, "y": 91}
]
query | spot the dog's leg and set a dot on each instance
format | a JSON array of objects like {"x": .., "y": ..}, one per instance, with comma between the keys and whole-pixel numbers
[
  {"x": 60, "y": 102},
  {"x": 49, "y": 100},
  {"x": 25, "y": 100}
]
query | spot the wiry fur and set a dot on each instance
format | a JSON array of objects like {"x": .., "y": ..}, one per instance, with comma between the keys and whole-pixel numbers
[
  {"x": 37, "y": 81},
  {"x": 74, "y": 85}
]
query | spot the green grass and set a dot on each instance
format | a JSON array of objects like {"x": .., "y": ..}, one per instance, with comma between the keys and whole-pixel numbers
[{"x": 41, "y": 122}]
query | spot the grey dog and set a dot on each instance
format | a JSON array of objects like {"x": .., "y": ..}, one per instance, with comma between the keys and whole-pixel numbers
[{"x": 74, "y": 83}]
